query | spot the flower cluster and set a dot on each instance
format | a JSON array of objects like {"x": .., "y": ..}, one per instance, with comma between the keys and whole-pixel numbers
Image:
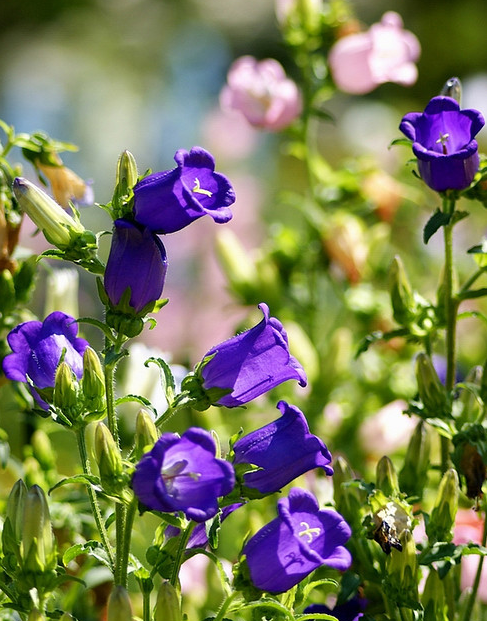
[{"x": 163, "y": 202}]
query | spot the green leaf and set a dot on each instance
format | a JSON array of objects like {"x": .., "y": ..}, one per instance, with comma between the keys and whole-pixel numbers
[
  {"x": 437, "y": 220},
  {"x": 405, "y": 142},
  {"x": 137, "y": 399},
  {"x": 167, "y": 378},
  {"x": 91, "y": 548},
  {"x": 85, "y": 479},
  {"x": 472, "y": 294}
]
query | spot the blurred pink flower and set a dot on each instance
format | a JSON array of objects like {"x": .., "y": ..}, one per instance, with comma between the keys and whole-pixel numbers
[
  {"x": 385, "y": 53},
  {"x": 469, "y": 527},
  {"x": 387, "y": 430},
  {"x": 261, "y": 92}
]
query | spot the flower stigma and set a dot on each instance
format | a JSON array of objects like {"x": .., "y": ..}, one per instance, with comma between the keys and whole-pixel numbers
[
  {"x": 443, "y": 140},
  {"x": 309, "y": 532},
  {"x": 174, "y": 471},
  {"x": 198, "y": 190}
]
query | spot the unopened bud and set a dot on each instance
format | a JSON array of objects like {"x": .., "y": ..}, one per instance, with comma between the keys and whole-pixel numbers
[
  {"x": 401, "y": 583},
  {"x": 237, "y": 265},
  {"x": 119, "y": 607},
  {"x": 168, "y": 606},
  {"x": 93, "y": 383},
  {"x": 126, "y": 170},
  {"x": 7, "y": 292},
  {"x": 348, "y": 495},
  {"x": 442, "y": 518},
  {"x": 431, "y": 391},
  {"x": 471, "y": 409},
  {"x": 59, "y": 228},
  {"x": 42, "y": 450},
  {"x": 387, "y": 477},
  {"x": 37, "y": 537},
  {"x": 15, "y": 509},
  {"x": 62, "y": 292},
  {"x": 452, "y": 88},
  {"x": 110, "y": 464},
  {"x": 36, "y": 615},
  {"x": 66, "y": 395},
  {"x": 433, "y": 598},
  {"x": 414, "y": 473},
  {"x": 402, "y": 296},
  {"x": 145, "y": 433}
]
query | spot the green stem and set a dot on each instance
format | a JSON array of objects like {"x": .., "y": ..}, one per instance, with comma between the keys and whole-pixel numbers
[
  {"x": 225, "y": 606},
  {"x": 472, "y": 279},
  {"x": 473, "y": 595},
  {"x": 178, "y": 561},
  {"x": 451, "y": 307},
  {"x": 146, "y": 607},
  {"x": 95, "y": 507},
  {"x": 124, "y": 532}
]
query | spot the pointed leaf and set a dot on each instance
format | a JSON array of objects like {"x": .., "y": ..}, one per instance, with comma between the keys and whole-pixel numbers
[{"x": 437, "y": 220}]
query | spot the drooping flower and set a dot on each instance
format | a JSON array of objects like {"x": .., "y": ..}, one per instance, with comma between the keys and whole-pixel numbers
[
  {"x": 251, "y": 363},
  {"x": 283, "y": 449},
  {"x": 168, "y": 201},
  {"x": 37, "y": 348},
  {"x": 362, "y": 61},
  {"x": 137, "y": 260},
  {"x": 262, "y": 93},
  {"x": 444, "y": 142},
  {"x": 66, "y": 185},
  {"x": 302, "y": 538},
  {"x": 349, "y": 611},
  {"x": 183, "y": 474}
]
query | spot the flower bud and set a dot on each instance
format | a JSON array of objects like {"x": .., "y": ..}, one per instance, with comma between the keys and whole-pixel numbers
[
  {"x": 452, "y": 88},
  {"x": 414, "y": 473},
  {"x": 37, "y": 549},
  {"x": 66, "y": 397},
  {"x": 402, "y": 297},
  {"x": 126, "y": 170},
  {"x": 168, "y": 607},
  {"x": 237, "y": 265},
  {"x": 7, "y": 292},
  {"x": 442, "y": 518},
  {"x": 36, "y": 615},
  {"x": 401, "y": 582},
  {"x": 15, "y": 510},
  {"x": 387, "y": 477},
  {"x": 471, "y": 409},
  {"x": 119, "y": 606},
  {"x": 59, "y": 228},
  {"x": 62, "y": 292},
  {"x": 42, "y": 450},
  {"x": 433, "y": 598},
  {"x": 349, "y": 497},
  {"x": 93, "y": 383},
  {"x": 145, "y": 433},
  {"x": 431, "y": 390},
  {"x": 110, "y": 464}
]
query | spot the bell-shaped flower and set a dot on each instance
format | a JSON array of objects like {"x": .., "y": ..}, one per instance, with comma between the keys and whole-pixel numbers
[
  {"x": 360, "y": 62},
  {"x": 37, "y": 349},
  {"x": 262, "y": 93},
  {"x": 251, "y": 363},
  {"x": 283, "y": 450},
  {"x": 302, "y": 538},
  {"x": 168, "y": 201},
  {"x": 183, "y": 474},
  {"x": 444, "y": 142},
  {"x": 138, "y": 261}
]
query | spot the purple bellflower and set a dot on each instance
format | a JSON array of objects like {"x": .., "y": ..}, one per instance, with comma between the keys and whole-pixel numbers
[
  {"x": 349, "y": 611},
  {"x": 137, "y": 260},
  {"x": 443, "y": 141},
  {"x": 301, "y": 539},
  {"x": 283, "y": 449},
  {"x": 37, "y": 348},
  {"x": 183, "y": 474},
  {"x": 168, "y": 201},
  {"x": 251, "y": 363}
]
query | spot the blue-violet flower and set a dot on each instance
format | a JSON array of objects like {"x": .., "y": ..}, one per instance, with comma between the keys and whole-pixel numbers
[
  {"x": 168, "y": 201},
  {"x": 349, "y": 611},
  {"x": 283, "y": 449},
  {"x": 37, "y": 348},
  {"x": 301, "y": 539},
  {"x": 252, "y": 362},
  {"x": 443, "y": 141},
  {"x": 137, "y": 260},
  {"x": 183, "y": 474}
]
